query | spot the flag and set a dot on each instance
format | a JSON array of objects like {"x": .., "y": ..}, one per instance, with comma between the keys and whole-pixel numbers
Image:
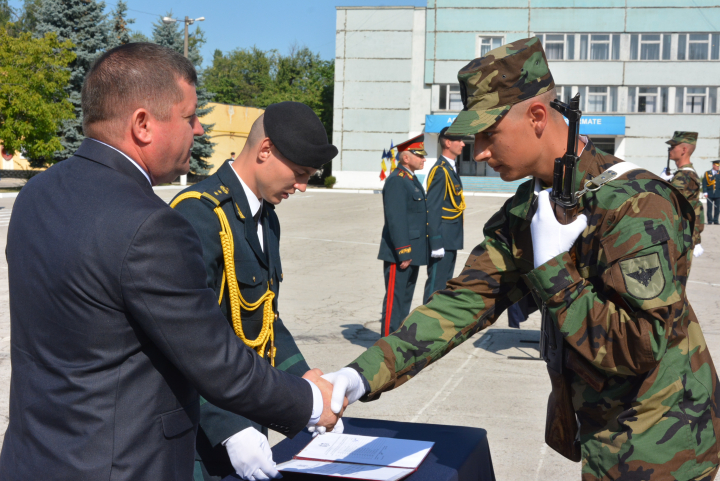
[
  {"x": 383, "y": 166},
  {"x": 392, "y": 157}
]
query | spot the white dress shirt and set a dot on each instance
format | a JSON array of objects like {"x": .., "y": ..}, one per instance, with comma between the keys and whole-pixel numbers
[
  {"x": 127, "y": 157},
  {"x": 451, "y": 162}
]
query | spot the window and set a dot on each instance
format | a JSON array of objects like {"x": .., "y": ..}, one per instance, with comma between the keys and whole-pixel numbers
[
  {"x": 592, "y": 47},
  {"x": 648, "y": 99},
  {"x": 564, "y": 93},
  {"x": 554, "y": 46},
  {"x": 599, "y": 99},
  {"x": 489, "y": 43},
  {"x": 698, "y": 46},
  {"x": 653, "y": 46},
  {"x": 599, "y": 47},
  {"x": 450, "y": 98},
  {"x": 696, "y": 100}
]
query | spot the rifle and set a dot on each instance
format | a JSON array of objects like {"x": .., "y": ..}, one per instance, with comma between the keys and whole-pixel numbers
[
  {"x": 561, "y": 427},
  {"x": 667, "y": 169}
]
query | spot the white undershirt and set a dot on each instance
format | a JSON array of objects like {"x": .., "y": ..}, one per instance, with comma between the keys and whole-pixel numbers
[
  {"x": 127, "y": 157},
  {"x": 255, "y": 205}
]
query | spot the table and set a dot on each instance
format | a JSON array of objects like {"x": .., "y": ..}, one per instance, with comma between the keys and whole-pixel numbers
[{"x": 460, "y": 453}]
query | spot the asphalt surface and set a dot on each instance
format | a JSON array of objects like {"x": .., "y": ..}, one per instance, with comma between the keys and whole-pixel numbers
[{"x": 331, "y": 301}]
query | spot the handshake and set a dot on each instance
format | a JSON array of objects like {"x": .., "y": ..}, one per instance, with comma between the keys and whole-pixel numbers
[
  {"x": 249, "y": 451},
  {"x": 338, "y": 390}
]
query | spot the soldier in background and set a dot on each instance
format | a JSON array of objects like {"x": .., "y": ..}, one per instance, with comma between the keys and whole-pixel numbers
[
  {"x": 446, "y": 204},
  {"x": 643, "y": 385},
  {"x": 711, "y": 191},
  {"x": 686, "y": 180},
  {"x": 403, "y": 247}
]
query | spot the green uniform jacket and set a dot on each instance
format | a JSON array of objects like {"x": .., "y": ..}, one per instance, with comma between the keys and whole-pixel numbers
[
  {"x": 713, "y": 191},
  {"x": 444, "y": 233},
  {"x": 255, "y": 270},
  {"x": 688, "y": 182},
  {"x": 404, "y": 235},
  {"x": 622, "y": 306}
]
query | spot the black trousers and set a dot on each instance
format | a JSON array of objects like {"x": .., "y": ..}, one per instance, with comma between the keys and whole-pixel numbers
[
  {"x": 399, "y": 290},
  {"x": 439, "y": 272},
  {"x": 713, "y": 207}
]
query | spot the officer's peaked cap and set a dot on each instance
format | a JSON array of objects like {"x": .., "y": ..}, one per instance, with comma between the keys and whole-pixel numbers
[{"x": 296, "y": 131}]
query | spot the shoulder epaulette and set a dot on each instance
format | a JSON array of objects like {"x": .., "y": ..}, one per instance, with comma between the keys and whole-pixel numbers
[{"x": 401, "y": 174}]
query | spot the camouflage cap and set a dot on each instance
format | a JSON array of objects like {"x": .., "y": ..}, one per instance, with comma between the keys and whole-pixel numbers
[
  {"x": 680, "y": 137},
  {"x": 492, "y": 84}
]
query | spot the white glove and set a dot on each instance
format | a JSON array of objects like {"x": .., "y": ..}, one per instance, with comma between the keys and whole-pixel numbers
[
  {"x": 347, "y": 383},
  {"x": 440, "y": 253},
  {"x": 666, "y": 175},
  {"x": 338, "y": 429},
  {"x": 550, "y": 237},
  {"x": 698, "y": 250},
  {"x": 251, "y": 456}
]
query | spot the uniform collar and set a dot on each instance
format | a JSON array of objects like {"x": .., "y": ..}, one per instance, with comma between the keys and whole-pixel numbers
[
  {"x": 449, "y": 161},
  {"x": 253, "y": 202}
]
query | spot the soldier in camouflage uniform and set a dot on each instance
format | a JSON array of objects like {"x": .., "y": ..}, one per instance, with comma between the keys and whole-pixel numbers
[
  {"x": 686, "y": 179},
  {"x": 617, "y": 293}
]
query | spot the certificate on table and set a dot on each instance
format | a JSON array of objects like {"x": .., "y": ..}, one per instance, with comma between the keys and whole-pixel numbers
[{"x": 359, "y": 457}]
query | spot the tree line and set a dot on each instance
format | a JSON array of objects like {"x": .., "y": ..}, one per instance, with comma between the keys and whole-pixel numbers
[{"x": 47, "y": 47}]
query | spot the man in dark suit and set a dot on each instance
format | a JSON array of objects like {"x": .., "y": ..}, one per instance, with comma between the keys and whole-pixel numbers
[
  {"x": 403, "y": 246},
  {"x": 115, "y": 334},
  {"x": 445, "y": 214},
  {"x": 238, "y": 203}
]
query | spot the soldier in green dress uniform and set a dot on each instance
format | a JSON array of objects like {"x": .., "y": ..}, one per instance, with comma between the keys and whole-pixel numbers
[
  {"x": 642, "y": 385},
  {"x": 446, "y": 204},
  {"x": 403, "y": 246},
  {"x": 686, "y": 180},
  {"x": 711, "y": 191},
  {"x": 233, "y": 212}
]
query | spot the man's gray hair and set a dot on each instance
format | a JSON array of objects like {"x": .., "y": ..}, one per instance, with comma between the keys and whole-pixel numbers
[{"x": 132, "y": 76}]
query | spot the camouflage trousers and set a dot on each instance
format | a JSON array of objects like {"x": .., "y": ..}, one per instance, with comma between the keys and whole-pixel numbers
[{"x": 648, "y": 473}]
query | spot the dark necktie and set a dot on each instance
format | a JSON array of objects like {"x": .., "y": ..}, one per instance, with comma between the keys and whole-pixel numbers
[{"x": 256, "y": 217}]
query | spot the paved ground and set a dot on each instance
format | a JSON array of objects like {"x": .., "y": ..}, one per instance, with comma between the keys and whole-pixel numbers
[{"x": 331, "y": 300}]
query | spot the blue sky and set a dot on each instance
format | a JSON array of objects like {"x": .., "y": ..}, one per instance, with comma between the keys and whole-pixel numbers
[{"x": 269, "y": 24}]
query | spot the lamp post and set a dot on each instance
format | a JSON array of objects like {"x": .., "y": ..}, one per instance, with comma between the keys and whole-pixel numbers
[{"x": 188, "y": 21}]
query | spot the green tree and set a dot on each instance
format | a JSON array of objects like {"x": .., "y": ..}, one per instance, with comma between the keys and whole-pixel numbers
[
  {"x": 172, "y": 36},
  {"x": 257, "y": 78},
  {"x": 84, "y": 24},
  {"x": 120, "y": 34},
  {"x": 33, "y": 100}
]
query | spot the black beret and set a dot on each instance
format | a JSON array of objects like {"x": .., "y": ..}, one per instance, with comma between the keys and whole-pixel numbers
[
  {"x": 443, "y": 135},
  {"x": 298, "y": 134}
]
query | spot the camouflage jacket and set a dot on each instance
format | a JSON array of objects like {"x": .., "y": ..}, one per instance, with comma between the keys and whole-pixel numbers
[
  {"x": 621, "y": 305},
  {"x": 687, "y": 181}
]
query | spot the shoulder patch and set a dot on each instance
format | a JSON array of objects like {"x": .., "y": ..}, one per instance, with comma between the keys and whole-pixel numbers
[
  {"x": 643, "y": 276},
  {"x": 401, "y": 174}
]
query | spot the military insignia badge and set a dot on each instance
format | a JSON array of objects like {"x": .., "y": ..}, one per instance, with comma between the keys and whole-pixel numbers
[{"x": 643, "y": 276}]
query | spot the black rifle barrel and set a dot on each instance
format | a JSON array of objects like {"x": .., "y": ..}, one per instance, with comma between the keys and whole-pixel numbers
[{"x": 564, "y": 169}]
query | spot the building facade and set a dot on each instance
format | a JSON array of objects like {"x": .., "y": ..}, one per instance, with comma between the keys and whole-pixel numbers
[{"x": 643, "y": 69}]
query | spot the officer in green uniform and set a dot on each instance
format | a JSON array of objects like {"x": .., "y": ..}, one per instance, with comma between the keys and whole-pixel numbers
[
  {"x": 446, "y": 204},
  {"x": 403, "y": 246},
  {"x": 641, "y": 384},
  {"x": 711, "y": 191},
  {"x": 686, "y": 180},
  {"x": 233, "y": 212}
]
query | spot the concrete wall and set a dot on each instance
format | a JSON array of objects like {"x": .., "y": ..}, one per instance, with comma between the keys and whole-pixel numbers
[{"x": 380, "y": 95}]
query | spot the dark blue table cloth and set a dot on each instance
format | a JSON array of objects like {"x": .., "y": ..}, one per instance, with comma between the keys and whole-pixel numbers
[{"x": 460, "y": 453}]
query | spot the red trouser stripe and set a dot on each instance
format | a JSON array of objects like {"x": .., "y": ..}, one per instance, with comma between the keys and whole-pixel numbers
[{"x": 390, "y": 295}]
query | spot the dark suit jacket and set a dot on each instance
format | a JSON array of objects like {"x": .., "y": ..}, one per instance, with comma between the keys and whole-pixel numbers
[
  {"x": 256, "y": 270},
  {"x": 404, "y": 235},
  {"x": 445, "y": 233},
  {"x": 114, "y": 332}
]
